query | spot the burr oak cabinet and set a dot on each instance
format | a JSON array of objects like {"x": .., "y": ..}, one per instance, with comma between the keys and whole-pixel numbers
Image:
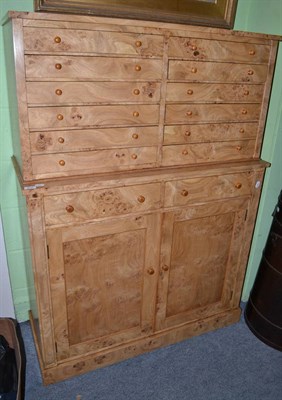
[{"x": 137, "y": 145}]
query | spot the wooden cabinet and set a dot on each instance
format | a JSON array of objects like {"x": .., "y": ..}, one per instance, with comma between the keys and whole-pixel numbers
[{"x": 138, "y": 152}]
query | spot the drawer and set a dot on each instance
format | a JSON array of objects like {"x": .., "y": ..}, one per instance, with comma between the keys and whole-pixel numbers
[
  {"x": 183, "y": 113},
  {"x": 93, "y": 161},
  {"x": 218, "y": 50},
  {"x": 45, "y": 93},
  {"x": 208, "y": 152},
  {"x": 94, "y": 68},
  {"x": 180, "y": 134},
  {"x": 211, "y": 92},
  {"x": 91, "y": 139},
  {"x": 85, "y": 116},
  {"x": 216, "y": 72},
  {"x": 87, "y": 41},
  {"x": 82, "y": 206},
  {"x": 203, "y": 189}
]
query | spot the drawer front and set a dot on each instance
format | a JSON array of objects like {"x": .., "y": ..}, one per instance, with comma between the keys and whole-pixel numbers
[
  {"x": 45, "y": 93},
  {"x": 209, "y": 92},
  {"x": 180, "y": 134},
  {"x": 82, "y": 206},
  {"x": 93, "y": 161},
  {"x": 98, "y": 68},
  {"x": 216, "y": 72},
  {"x": 86, "y": 41},
  {"x": 91, "y": 139},
  {"x": 187, "y": 191},
  {"x": 208, "y": 152},
  {"x": 84, "y": 116},
  {"x": 218, "y": 50},
  {"x": 183, "y": 113}
]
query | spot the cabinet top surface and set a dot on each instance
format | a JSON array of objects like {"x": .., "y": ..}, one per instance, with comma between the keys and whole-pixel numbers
[{"x": 135, "y": 25}]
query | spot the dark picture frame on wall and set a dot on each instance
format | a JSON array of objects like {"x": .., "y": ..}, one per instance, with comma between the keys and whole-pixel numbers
[{"x": 218, "y": 13}]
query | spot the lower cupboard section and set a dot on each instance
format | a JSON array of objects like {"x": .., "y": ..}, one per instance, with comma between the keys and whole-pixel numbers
[{"x": 91, "y": 361}]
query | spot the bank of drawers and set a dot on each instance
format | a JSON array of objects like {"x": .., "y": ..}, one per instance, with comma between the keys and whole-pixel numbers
[{"x": 103, "y": 100}]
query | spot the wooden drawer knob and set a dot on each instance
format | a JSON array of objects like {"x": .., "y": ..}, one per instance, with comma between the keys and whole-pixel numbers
[
  {"x": 193, "y": 70},
  {"x": 135, "y": 136},
  {"x": 239, "y": 148},
  {"x": 165, "y": 267},
  {"x": 194, "y": 47},
  {"x": 136, "y": 92},
  {"x": 57, "y": 39},
  {"x": 150, "y": 271},
  {"x": 58, "y": 66},
  {"x": 246, "y": 93},
  {"x": 135, "y": 114},
  {"x": 138, "y": 43},
  {"x": 250, "y": 72},
  {"x": 69, "y": 209},
  {"x": 242, "y": 130},
  {"x": 244, "y": 111},
  {"x": 185, "y": 152},
  {"x": 189, "y": 91},
  {"x": 60, "y": 117},
  {"x": 252, "y": 52},
  {"x": 184, "y": 193},
  {"x": 61, "y": 140},
  {"x": 238, "y": 185},
  {"x": 141, "y": 199},
  {"x": 137, "y": 67},
  {"x": 187, "y": 133},
  {"x": 62, "y": 163},
  {"x": 58, "y": 92},
  {"x": 133, "y": 156},
  {"x": 189, "y": 113}
]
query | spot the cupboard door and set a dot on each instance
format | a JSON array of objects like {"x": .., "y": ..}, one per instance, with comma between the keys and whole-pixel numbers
[
  {"x": 103, "y": 283},
  {"x": 200, "y": 255}
]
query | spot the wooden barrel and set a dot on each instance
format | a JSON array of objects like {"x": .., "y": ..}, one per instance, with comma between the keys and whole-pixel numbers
[{"x": 263, "y": 313}]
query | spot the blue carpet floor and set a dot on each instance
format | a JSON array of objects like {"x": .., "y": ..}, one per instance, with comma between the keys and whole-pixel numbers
[{"x": 228, "y": 364}]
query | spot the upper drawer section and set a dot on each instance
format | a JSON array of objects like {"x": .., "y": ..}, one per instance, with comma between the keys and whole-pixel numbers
[
  {"x": 86, "y": 41},
  {"x": 216, "y": 72},
  {"x": 217, "y": 50},
  {"x": 95, "y": 68}
]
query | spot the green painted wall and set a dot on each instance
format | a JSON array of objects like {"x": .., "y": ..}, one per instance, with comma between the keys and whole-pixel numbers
[{"x": 252, "y": 15}]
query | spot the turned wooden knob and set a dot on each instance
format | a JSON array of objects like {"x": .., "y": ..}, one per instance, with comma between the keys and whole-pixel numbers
[
  {"x": 136, "y": 92},
  {"x": 239, "y": 148},
  {"x": 135, "y": 136},
  {"x": 138, "y": 43},
  {"x": 194, "y": 47},
  {"x": 58, "y": 66},
  {"x": 134, "y": 156},
  {"x": 57, "y": 39},
  {"x": 185, "y": 152},
  {"x": 187, "y": 133},
  {"x": 62, "y": 163},
  {"x": 238, "y": 185},
  {"x": 141, "y": 199},
  {"x": 60, "y": 117},
  {"x": 135, "y": 114},
  {"x": 137, "y": 67},
  {"x": 246, "y": 93},
  {"x": 69, "y": 209},
  {"x": 165, "y": 267},
  {"x": 184, "y": 193},
  {"x": 189, "y": 91},
  {"x": 242, "y": 130},
  {"x": 150, "y": 271},
  {"x": 58, "y": 92},
  {"x": 250, "y": 72},
  {"x": 189, "y": 113},
  {"x": 244, "y": 111},
  {"x": 252, "y": 52},
  {"x": 61, "y": 139},
  {"x": 193, "y": 70}
]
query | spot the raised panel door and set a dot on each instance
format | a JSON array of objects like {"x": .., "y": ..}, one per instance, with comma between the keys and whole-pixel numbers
[{"x": 103, "y": 283}]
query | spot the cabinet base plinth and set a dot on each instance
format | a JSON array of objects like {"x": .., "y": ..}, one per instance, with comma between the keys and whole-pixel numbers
[{"x": 88, "y": 362}]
